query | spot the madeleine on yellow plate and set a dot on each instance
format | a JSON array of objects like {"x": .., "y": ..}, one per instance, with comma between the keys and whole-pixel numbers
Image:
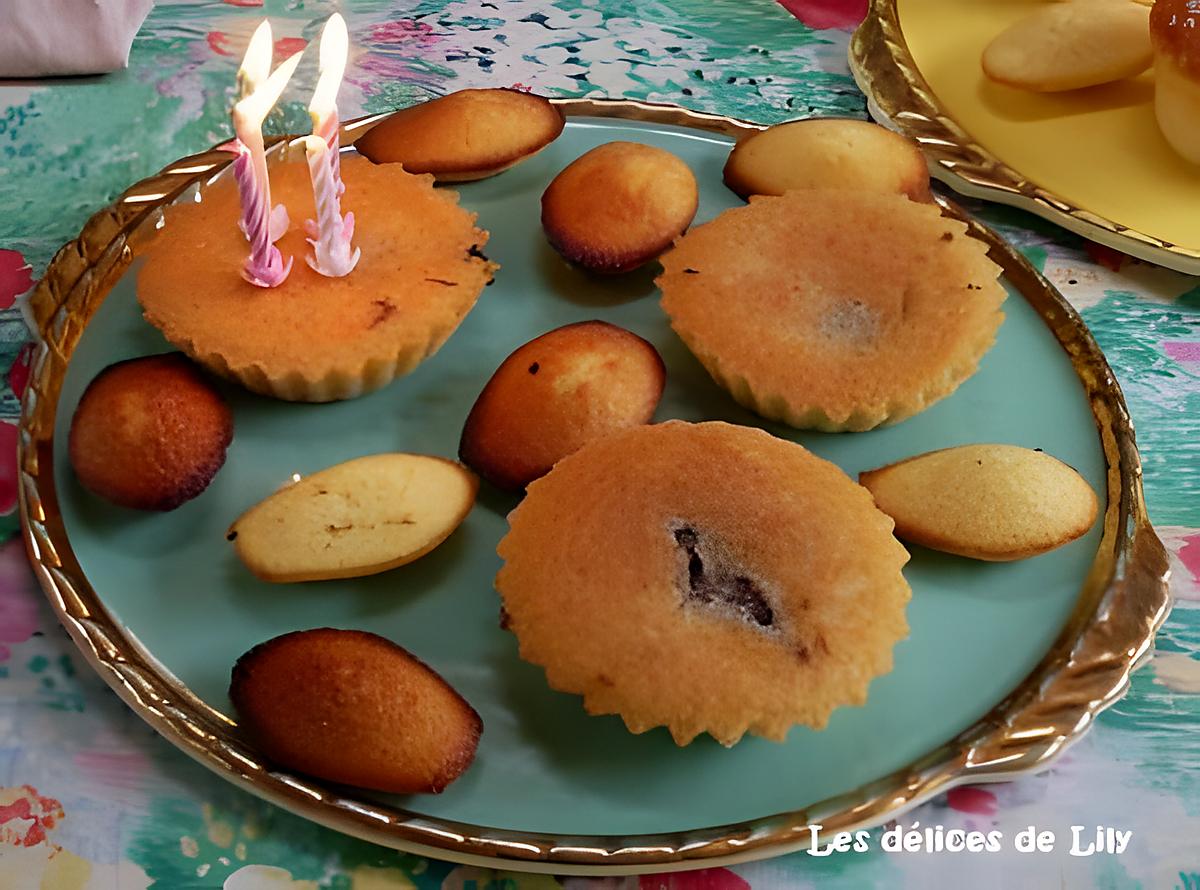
[{"x": 1066, "y": 46}]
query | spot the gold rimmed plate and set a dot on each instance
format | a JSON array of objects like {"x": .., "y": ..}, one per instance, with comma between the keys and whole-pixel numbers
[
  {"x": 1091, "y": 160},
  {"x": 1005, "y": 665}
]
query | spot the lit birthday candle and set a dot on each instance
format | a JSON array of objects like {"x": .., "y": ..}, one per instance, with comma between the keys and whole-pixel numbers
[
  {"x": 256, "y": 64},
  {"x": 265, "y": 266},
  {"x": 254, "y": 70},
  {"x": 335, "y": 44},
  {"x": 329, "y": 234}
]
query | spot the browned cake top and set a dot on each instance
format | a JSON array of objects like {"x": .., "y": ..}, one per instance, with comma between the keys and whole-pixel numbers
[
  {"x": 707, "y": 577},
  {"x": 1175, "y": 32},
  {"x": 857, "y": 304},
  {"x": 419, "y": 274}
]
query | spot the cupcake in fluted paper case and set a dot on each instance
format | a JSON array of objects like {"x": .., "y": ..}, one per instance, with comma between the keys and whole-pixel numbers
[
  {"x": 708, "y": 578},
  {"x": 833, "y": 309},
  {"x": 317, "y": 338}
]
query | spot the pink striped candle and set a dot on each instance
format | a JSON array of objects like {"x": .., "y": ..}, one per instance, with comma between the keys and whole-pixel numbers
[
  {"x": 330, "y": 233},
  {"x": 335, "y": 45},
  {"x": 265, "y": 267},
  {"x": 252, "y": 74}
]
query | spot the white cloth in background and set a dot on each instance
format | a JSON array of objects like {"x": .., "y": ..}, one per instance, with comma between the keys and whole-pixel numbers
[{"x": 42, "y": 38}]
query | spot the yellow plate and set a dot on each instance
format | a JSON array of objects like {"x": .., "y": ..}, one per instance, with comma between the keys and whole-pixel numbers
[{"x": 1091, "y": 160}]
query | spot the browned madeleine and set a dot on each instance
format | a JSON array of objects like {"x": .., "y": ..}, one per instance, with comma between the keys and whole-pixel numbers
[
  {"x": 619, "y": 206},
  {"x": 352, "y": 707},
  {"x": 470, "y": 134},
  {"x": 149, "y": 433},
  {"x": 827, "y": 153},
  {"x": 554, "y": 395}
]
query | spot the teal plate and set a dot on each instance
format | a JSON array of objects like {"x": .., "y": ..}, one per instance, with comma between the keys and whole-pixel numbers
[{"x": 163, "y": 608}]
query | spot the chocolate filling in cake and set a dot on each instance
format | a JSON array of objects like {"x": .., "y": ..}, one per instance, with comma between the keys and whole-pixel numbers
[{"x": 718, "y": 583}]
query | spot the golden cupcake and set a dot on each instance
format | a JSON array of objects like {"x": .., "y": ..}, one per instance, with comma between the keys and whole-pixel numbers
[
  {"x": 470, "y": 134},
  {"x": 834, "y": 309},
  {"x": 706, "y": 578},
  {"x": 1175, "y": 37},
  {"x": 315, "y": 338},
  {"x": 149, "y": 433},
  {"x": 619, "y": 206}
]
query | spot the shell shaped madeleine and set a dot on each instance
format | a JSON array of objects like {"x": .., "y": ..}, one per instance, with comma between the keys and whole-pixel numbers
[{"x": 989, "y": 502}]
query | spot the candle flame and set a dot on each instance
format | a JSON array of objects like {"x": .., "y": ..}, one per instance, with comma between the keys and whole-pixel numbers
[
  {"x": 256, "y": 64},
  {"x": 254, "y": 108},
  {"x": 335, "y": 45}
]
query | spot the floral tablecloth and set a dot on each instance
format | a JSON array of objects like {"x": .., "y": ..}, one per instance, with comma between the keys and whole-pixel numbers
[{"x": 91, "y": 798}]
